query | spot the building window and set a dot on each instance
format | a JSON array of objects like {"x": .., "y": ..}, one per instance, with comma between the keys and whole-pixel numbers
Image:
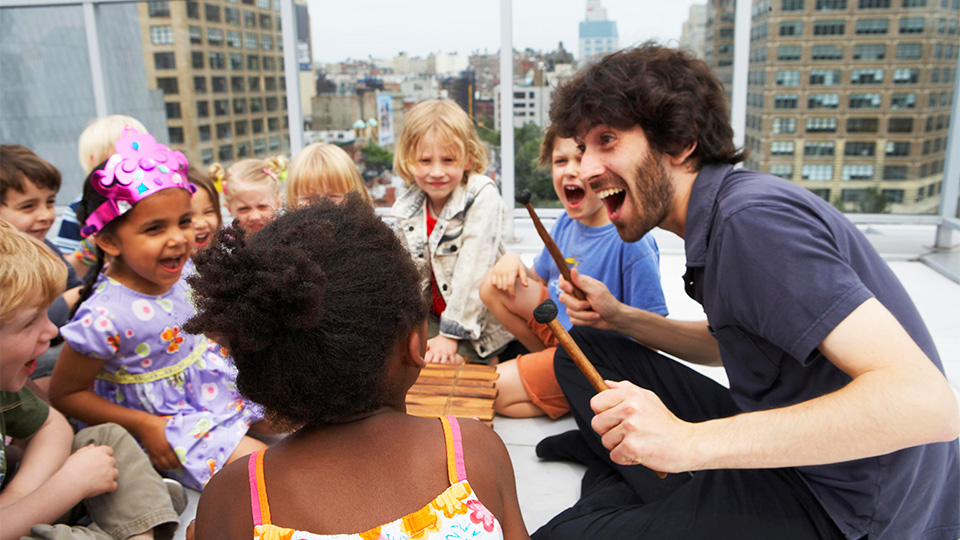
[
  {"x": 272, "y": 103},
  {"x": 864, "y": 101},
  {"x": 266, "y": 22},
  {"x": 784, "y": 125},
  {"x": 825, "y": 77},
  {"x": 863, "y": 125},
  {"x": 217, "y": 60},
  {"x": 214, "y": 36},
  {"x": 270, "y": 85},
  {"x": 223, "y": 130},
  {"x": 239, "y": 106},
  {"x": 253, "y": 83},
  {"x": 250, "y": 41},
  {"x": 895, "y": 172},
  {"x": 266, "y": 42},
  {"x": 256, "y": 105},
  {"x": 196, "y": 59},
  {"x": 851, "y": 195},
  {"x": 161, "y": 35},
  {"x": 822, "y": 193},
  {"x": 872, "y": 26},
  {"x": 200, "y": 84},
  {"x": 236, "y": 84},
  {"x": 193, "y": 10},
  {"x": 243, "y": 149},
  {"x": 823, "y": 101},
  {"x": 274, "y": 143},
  {"x": 204, "y": 132},
  {"x": 791, "y": 28},
  {"x": 866, "y": 76},
  {"x": 789, "y": 52},
  {"x": 857, "y": 172},
  {"x": 912, "y": 25},
  {"x": 783, "y": 170},
  {"x": 231, "y": 15},
  {"x": 221, "y": 107},
  {"x": 236, "y": 61},
  {"x": 818, "y": 148},
  {"x": 828, "y": 28},
  {"x": 791, "y": 5},
  {"x": 168, "y": 85},
  {"x": 817, "y": 173},
  {"x": 256, "y": 125},
  {"x": 906, "y": 75},
  {"x": 785, "y": 101},
  {"x": 225, "y": 153},
  {"x": 782, "y": 148},
  {"x": 909, "y": 51},
  {"x": 860, "y": 149},
  {"x": 273, "y": 124},
  {"x": 176, "y": 135},
  {"x": 269, "y": 63},
  {"x": 206, "y": 155},
  {"x": 158, "y": 8},
  {"x": 897, "y": 149},
  {"x": 789, "y": 77},
  {"x": 212, "y": 11},
  {"x": 900, "y": 125},
  {"x": 173, "y": 109},
  {"x": 164, "y": 60},
  {"x": 903, "y": 101},
  {"x": 826, "y": 52},
  {"x": 233, "y": 39},
  {"x": 873, "y": 51},
  {"x": 821, "y": 125},
  {"x": 253, "y": 62},
  {"x": 218, "y": 84},
  {"x": 259, "y": 146},
  {"x": 203, "y": 109},
  {"x": 893, "y": 196},
  {"x": 873, "y": 4},
  {"x": 240, "y": 127},
  {"x": 831, "y": 5}
]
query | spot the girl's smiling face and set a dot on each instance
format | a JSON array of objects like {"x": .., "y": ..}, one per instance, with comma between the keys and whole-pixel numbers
[
  {"x": 254, "y": 205},
  {"x": 439, "y": 171},
  {"x": 152, "y": 242},
  {"x": 205, "y": 220}
]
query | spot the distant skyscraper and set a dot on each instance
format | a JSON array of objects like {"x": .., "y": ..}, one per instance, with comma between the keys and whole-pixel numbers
[
  {"x": 694, "y": 30},
  {"x": 597, "y": 34}
]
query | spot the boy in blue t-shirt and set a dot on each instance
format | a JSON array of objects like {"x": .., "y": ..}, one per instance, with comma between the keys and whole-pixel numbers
[{"x": 590, "y": 243}]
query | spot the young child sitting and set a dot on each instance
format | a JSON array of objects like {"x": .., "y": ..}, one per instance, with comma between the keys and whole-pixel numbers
[
  {"x": 323, "y": 170},
  {"x": 205, "y": 203},
  {"x": 101, "y": 466},
  {"x": 451, "y": 218},
  {"x": 252, "y": 189},
  {"x": 127, "y": 359},
  {"x": 330, "y": 344},
  {"x": 585, "y": 236},
  {"x": 28, "y": 190}
]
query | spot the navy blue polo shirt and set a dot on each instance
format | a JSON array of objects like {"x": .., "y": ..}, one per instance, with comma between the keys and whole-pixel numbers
[{"x": 776, "y": 269}]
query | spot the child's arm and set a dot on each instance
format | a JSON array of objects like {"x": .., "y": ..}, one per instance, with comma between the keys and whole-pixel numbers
[
  {"x": 70, "y": 392},
  {"x": 45, "y": 451},
  {"x": 508, "y": 270},
  {"x": 89, "y": 472}
]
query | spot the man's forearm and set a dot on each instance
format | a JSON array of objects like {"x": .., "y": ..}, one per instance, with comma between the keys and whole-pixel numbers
[{"x": 688, "y": 340}]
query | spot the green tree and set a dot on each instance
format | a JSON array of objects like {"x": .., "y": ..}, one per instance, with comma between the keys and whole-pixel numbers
[
  {"x": 526, "y": 140},
  {"x": 485, "y": 130},
  {"x": 376, "y": 157},
  {"x": 872, "y": 201}
]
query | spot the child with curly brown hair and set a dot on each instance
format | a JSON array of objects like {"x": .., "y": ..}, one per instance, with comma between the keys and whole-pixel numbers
[{"x": 325, "y": 317}]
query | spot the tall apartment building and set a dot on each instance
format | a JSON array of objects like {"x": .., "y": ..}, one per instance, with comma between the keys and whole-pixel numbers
[
  {"x": 845, "y": 95},
  {"x": 695, "y": 30},
  {"x": 220, "y": 66},
  {"x": 597, "y": 34},
  {"x": 718, "y": 41}
]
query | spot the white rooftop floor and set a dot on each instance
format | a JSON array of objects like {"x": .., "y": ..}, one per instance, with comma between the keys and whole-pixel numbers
[{"x": 546, "y": 488}]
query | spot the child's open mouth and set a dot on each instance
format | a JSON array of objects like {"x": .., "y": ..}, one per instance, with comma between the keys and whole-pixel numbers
[
  {"x": 30, "y": 367},
  {"x": 172, "y": 264},
  {"x": 200, "y": 239},
  {"x": 574, "y": 195},
  {"x": 613, "y": 199}
]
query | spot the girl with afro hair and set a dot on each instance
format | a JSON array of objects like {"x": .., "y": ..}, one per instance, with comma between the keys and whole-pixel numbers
[{"x": 323, "y": 313}]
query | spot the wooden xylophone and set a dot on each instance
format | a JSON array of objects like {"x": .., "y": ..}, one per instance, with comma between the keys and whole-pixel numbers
[{"x": 464, "y": 391}]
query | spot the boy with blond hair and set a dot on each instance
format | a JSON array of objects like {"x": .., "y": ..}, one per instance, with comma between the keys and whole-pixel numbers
[{"x": 101, "y": 466}]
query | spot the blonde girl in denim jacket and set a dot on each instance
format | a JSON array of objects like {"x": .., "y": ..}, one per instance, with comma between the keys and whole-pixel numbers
[{"x": 451, "y": 218}]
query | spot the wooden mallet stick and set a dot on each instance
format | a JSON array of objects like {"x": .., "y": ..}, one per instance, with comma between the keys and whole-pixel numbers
[
  {"x": 523, "y": 197},
  {"x": 546, "y": 313}
]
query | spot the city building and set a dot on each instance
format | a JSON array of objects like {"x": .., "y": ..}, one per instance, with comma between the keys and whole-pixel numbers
[
  {"x": 220, "y": 66},
  {"x": 718, "y": 41},
  {"x": 531, "y": 102},
  {"x": 597, "y": 34},
  {"x": 851, "y": 98},
  {"x": 694, "y": 30}
]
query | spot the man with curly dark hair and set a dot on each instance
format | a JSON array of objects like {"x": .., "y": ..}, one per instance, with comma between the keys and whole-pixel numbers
[
  {"x": 323, "y": 314},
  {"x": 838, "y": 421}
]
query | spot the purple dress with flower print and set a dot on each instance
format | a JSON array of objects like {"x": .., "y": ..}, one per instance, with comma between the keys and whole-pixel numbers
[{"x": 153, "y": 366}]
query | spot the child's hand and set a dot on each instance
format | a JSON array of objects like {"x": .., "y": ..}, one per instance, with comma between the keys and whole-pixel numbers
[
  {"x": 443, "y": 350},
  {"x": 91, "y": 470},
  {"x": 154, "y": 439},
  {"x": 505, "y": 273}
]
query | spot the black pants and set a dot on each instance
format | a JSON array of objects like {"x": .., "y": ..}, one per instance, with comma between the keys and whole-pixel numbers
[{"x": 620, "y": 501}]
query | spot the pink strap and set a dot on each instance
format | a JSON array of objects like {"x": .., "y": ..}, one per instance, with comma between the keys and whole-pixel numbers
[
  {"x": 254, "y": 492},
  {"x": 458, "y": 448}
]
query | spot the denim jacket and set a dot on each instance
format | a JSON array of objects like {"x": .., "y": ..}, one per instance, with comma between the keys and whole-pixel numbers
[{"x": 465, "y": 244}]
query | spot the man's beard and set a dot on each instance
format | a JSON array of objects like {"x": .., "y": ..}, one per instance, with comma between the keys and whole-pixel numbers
[{"x": 651, "y": 197}]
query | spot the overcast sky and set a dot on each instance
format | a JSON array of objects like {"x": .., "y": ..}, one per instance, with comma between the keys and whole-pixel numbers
[{"x": 359, "y": 29}]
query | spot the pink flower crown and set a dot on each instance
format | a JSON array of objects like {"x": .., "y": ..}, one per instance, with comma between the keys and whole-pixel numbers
[{"x": 140, "y": 168}]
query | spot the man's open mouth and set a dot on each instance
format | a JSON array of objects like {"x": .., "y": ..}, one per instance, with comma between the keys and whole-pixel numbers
[{"x": 613, "y": 199}]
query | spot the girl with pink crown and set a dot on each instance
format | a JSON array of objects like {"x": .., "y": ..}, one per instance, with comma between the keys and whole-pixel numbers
[{"x": 126, "y": 359}]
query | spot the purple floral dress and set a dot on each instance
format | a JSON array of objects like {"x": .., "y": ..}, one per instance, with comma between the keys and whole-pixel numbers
[{"x": 153, "y": 366}]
